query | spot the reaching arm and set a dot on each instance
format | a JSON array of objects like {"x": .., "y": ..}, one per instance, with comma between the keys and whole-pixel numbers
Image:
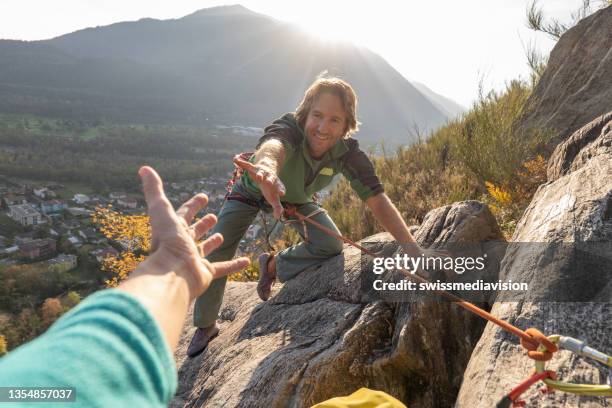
[
  {"x": 269, "y": 159},
  {"x": 176, "y": 272},
  {"x": 271, "y": 155},
  {"x": 388, "y": 215},
  {"x": 115, "y": 348}
]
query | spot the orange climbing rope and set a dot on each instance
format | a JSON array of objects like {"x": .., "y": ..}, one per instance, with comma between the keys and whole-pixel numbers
[
  {"x": 530, "y": 339},
  {"x": 539, "y": 347}
]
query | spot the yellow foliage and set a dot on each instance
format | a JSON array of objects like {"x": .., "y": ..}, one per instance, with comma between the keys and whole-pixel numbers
[
  {"x": 533, "y": 175},
  {"x": 499, "y": 194},
  {"x": 121, "y": 266},
  {"x": 134, "y": 231},
  {"x": 249, "y": 274},
  {"x": 3, "y": 345},
  {"x": 536, "y": 168}
]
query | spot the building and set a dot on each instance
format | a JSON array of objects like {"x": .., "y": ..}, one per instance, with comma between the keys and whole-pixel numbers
[
  {"x": 38, "y": 248},
  {"x": 91, "y": 236},
  {"x": 79, "y": 212},
  {"x": 23, "y": 238},
  {"x": 52, "y": 206},
  {"x": 117, "y": 195},
  {"x": 127, "y": 202},
  {"x": 10, "y": 250},
  {"x": 74, "y": 241},
  {"x": 12, "y": 199},
  {"x": 63, "y": 262},
  {"x": 101, "y": 253},
  {"x": 40, "y": 192},
  {"x": 25, "y": 214},
  {"x": 81, "y": 198}
]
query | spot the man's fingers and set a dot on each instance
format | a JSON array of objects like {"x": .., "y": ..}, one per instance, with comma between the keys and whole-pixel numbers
[
  {"x": 190, "y": 208},
  {"x": 202, "y": 226},
  {"x": 277, "y": 209},
  {"x": 271, "y": 178},
  {"x": 228, "y": 267},
  {"x": 157, "y": 203},
  {"x": 281, "y": 187},
  {"x": 245, "y": 165},
  {"x": 210, "y": 244}
]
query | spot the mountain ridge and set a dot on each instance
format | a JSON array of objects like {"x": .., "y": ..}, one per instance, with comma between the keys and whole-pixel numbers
[{"x": 227, "y": 64}]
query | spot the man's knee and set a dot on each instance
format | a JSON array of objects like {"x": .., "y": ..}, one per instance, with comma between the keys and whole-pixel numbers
[{"x": 327, "y": 247}]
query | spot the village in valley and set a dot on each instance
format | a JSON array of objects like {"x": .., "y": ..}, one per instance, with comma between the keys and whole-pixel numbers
[{"x": 49, "y": 225}]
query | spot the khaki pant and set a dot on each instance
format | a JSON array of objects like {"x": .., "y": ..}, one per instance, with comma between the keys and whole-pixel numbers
[{"x": 233, "y": 221}]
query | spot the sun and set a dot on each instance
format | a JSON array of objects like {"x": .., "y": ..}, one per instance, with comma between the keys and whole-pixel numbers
[{"x": 328, "y": 31}]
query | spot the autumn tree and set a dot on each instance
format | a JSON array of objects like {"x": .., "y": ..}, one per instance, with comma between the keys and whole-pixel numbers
[
  {"x": 51, "y": 309},
  {"x": 133, "y": 232}
]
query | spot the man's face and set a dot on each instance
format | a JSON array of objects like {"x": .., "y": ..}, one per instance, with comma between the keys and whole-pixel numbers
[{"x": 325, "y": 124}]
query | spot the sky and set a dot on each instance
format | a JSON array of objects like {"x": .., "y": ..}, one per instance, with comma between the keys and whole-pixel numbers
[{"x": 448, "y": 45}]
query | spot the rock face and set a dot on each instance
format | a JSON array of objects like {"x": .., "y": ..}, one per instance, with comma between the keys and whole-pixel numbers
[
  {"x": 579, "y": 148},
  {"x": 574, "y": 206},
  {"x": 577, "y": 84},
  {"x": 319, "y": 337}
]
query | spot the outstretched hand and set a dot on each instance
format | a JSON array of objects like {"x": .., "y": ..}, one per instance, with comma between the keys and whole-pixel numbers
[
  {"x": 268, "y": 181},
  {"x": 174, "y": 244}
]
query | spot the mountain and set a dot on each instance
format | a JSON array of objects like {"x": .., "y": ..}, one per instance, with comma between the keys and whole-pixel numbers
[
  {"x": 221, "y": 66},
  {"x": 447, "y": 106}
]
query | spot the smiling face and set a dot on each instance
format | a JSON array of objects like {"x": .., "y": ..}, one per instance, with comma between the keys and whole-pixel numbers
[{"x": 325, "y": 124}]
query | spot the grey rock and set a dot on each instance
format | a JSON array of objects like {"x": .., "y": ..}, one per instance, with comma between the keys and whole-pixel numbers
[
  {"x": 577, "y": 84},
  {"x": 591, "y": 140},
  {"x": 573, "y": 208},
  {"x": 319, "y": 336}
]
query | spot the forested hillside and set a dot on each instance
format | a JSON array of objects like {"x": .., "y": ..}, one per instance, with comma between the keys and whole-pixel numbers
[{"x": 107, "y": 156}]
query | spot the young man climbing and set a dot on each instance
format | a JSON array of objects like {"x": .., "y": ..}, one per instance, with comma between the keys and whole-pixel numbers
[{"x": 298, "y": 155}]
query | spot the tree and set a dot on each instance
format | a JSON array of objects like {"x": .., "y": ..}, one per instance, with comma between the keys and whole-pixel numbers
[
  {"x": 51, "y": 310},
  {"x": 71, "y": 300},
  {"x": 133, "y": 232}
]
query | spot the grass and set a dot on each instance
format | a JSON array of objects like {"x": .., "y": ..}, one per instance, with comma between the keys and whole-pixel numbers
[{"x": 70, "y": 189}]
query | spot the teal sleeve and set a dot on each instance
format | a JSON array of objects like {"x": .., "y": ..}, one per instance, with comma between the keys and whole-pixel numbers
[{"x": 109, "y": 348}]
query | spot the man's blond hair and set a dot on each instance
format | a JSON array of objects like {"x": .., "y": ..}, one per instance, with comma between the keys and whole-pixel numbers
[{"x": 334, "y": 86}]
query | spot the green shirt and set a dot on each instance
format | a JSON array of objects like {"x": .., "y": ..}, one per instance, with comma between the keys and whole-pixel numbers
[
  {"x": 303, "y": 176},
  {"x": 109, "y": 348}
]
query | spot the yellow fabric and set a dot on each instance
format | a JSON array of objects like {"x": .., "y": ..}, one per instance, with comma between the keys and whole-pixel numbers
[{"x": 362, "y": 398}]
